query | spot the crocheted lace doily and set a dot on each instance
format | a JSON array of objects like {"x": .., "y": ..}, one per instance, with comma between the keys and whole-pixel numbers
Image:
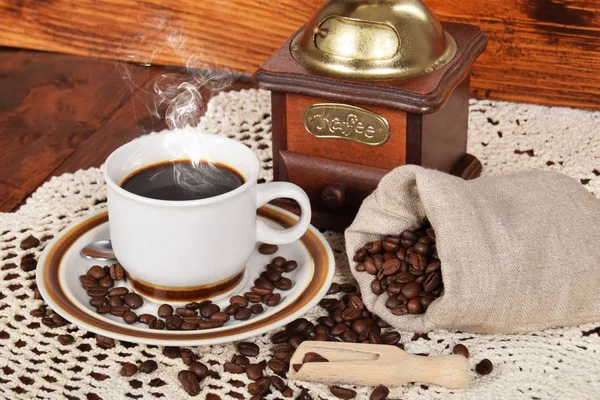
[{"x": 557, "y": 363}]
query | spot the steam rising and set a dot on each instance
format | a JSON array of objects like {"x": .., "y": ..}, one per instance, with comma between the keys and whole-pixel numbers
[{"x": 179, "y": 93}]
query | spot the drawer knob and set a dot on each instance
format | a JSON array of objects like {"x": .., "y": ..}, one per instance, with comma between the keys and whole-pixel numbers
[{"x": 333, "y": 196}]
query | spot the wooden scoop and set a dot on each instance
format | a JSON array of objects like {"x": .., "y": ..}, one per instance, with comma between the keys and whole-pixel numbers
[{"x": 376, "y": 364}]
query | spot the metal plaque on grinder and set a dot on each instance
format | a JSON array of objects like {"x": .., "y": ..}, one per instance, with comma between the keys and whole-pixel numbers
[{"x": 343, "y": 121}]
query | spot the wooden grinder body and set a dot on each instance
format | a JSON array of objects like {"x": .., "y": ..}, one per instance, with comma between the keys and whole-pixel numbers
[{"x": 427, "y": 117}]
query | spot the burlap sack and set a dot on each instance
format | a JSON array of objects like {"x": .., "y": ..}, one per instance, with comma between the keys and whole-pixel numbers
[{"x": 519, "y": 252}]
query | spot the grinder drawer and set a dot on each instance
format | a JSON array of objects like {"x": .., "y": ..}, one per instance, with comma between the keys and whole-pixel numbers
[{"x": 334, "y": 187}]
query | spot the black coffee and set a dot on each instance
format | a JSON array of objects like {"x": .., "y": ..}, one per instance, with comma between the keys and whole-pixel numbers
[{"x": 183, "y": 180}]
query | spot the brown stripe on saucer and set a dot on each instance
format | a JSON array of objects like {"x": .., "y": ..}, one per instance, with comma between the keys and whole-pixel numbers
[
  {"x": 58, "y": 250},
  {"x": 166, "y": 294}
]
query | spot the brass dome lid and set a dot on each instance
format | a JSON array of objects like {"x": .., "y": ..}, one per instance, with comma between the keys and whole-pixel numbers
[{"x": 373, "y": 40}]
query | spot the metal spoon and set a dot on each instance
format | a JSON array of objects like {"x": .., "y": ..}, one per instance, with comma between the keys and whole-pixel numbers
[{"x": 99, "y": 250}]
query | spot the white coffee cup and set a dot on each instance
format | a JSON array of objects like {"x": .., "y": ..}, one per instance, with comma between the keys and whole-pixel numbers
[{"x": 182, "y": 251}]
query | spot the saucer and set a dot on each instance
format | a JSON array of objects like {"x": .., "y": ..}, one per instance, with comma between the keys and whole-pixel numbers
[{"x": 60, "y": 266}]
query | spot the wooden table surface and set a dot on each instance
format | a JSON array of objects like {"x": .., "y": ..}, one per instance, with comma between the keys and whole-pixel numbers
[{"x": 61, "y": 113}]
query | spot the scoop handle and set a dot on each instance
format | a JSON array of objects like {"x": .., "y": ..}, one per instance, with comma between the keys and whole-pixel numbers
[{"x": 450, "y": 371}]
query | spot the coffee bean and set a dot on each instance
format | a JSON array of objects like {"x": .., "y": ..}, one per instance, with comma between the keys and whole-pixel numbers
[
  {"x": 327, "y": 321},
  {"x": 360, "y": 267},
  {"x": 97, "y": 291},
  {"x": 298, "y": 326},
  {"x": 133, "y": 300},
  {"x": 418, "y": 264},
  {"x": 272, "y": 300},
  {"x": 461, "y": 349},
  {"x": 98, "y": 301},
  {"x": 376, "y": 287},
  {"x": 253, "y": 297},
  {"x": 432, "y": 281},
  {"x": 65, "y": 339},
  {"x": 391, "y": 337},
  {"x": 115, "y": 301},
  {"x": 171, "y": 351},
  {"x": 283, "y": 283},
  {"x": 241, "y": 360},
  {"x": 106, "y": 282},
  {"x": 414, "y": 306},
  {"x": 104, "y": 342},
  {"x": 210, "y": 324},
  {"x": 289, "y": 266},
  {"x": 165, "y": 310},
  {"x": 265, "y": 248},
  {"x": 256, "y": 308},
  {"x": 199, "y": 369},
  {"x": 254, "y": 371},
  {"x": 263, "y": 283},
  {"x": 278, "y": 366},
  {"x": 118, "y": 291},
  {"x": 173, "y": 322},
  {"x": 313, "y": 357},
  {"x": 349, "y": 288},
  {"x": 243, "y": 314},
  {"x": 240, "y": 300},
  {"x": 189, "y": 382},
  {"x": 271, "y": 274},
  {"x": 402, "y": 309},
  {"x": 373, "y": 247},
  {"x": 187, "y": 356},
  {"x": 484, "y": 367},
  {"x": 157, "y": 324},
  {"x": 334, "y": 288},
  {"x": 359, "y": 326},
  {"x": 342, "y": 393},
  {"x": 146, "y": 319},
  {"x": 379, "y": 393},
  {"x": 194, "y": 305},
  {"x": 411, "y": 290},
  {"x": 349, "y": 336},
  {"x": 304, "y": 395},
  {"x": 148, "y": 366},
  {"x": 189, "y": 326},
  {"x": 130, "y": 317},
  {"x": 279, "y": 337},
  {"x": 356, "y": 302},
  {"x": 391, "y": 267},
  {"x": 87, "y": 281},
  {"x": 295, "y": 340},
  {"x": 209, "y": 309},
  {"x": 390, "y": 244},
  {"x": 232, "y": 309},
  {"x": 434, "y": 265},
  {"x": 128, "y": 369},
  {"x": 185, "y": 312},
  {"x": 248, "y": 349},
  {"x": 116, "y": 272},
  {"x": 233, "y": 368},
  {"x": 426, "y": 300},
  {"x": 283, "y": 351},
  {"x": 393, "y": 302},
  {"x": 351, "y": 314},
  {"x": 96, "y": 272},
  {"x": 119, "y": 310},
  {"x": 278, "y": 261},
  {"x": 260, "y": 387},
  {"x": 277, "y": 382},
  {"x": 261, "y": 291}
]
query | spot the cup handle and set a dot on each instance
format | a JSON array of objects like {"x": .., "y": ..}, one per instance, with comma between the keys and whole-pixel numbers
[{"x": 274, "y": 190}]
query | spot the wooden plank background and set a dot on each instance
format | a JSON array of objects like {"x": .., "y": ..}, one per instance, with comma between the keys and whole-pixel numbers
[{"x": 540, "y": 51}]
